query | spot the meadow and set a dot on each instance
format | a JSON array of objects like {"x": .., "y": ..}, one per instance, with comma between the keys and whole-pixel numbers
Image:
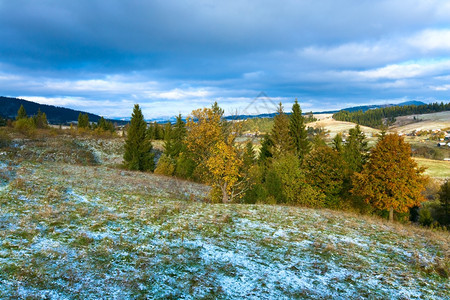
[{"x": 75, "y": 225}]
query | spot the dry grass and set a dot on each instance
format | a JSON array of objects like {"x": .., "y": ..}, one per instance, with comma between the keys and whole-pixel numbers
[
  {"x": 334, "y": 127},
  {"x": 70, "y": 230},
  {"x": 407, "y": 124},
  {"x": 438, "y": 169}
]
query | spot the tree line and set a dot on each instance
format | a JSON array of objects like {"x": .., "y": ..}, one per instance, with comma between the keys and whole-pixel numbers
[
  {"x": 289, "y": 168},
  {"x": 380, "y": 117}
]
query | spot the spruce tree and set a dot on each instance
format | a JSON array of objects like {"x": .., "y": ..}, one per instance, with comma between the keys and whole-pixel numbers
[
  {"x": 444, "y": 199},
  {"x": 40, "y": 120},
  {"x": 337, "y": 142},
  {"x": 138, "y": 147},
  {"x": 21, "y": 113},
  {"x": 83, "y": 120},
  {"x": 177, "y": 137},
  {"x": 264, "y": 152},
  {"x": 281, "y": 139},
  {"x": 298, "y": 131},
  {"x": 355, "y": 150}
]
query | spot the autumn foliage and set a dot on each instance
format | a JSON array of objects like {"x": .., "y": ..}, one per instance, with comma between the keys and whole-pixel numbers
[{"x": 391, "y": 179}]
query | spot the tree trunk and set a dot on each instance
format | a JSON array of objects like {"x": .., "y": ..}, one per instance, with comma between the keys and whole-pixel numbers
[
  {"x": 391, "y": 214},
  {"x": 224, "y": 193}
]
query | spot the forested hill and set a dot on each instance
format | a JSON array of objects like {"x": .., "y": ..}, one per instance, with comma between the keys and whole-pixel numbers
[
  {"x": 385, "y": 116},
  {"x": 55, "y": 115}
]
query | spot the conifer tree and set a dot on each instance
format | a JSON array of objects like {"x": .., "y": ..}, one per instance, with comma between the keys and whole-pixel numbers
[
  {"x": 83, "y": 120},
  {"x": 178, "y": 137},
  {"x": 298, "y": 131},
  {"x": 249, "y": 155},
  {"x": 280, "y": 136},
  {"x": 138, "y": 147},
  {"x": 355, "y": 149},
  {"x": 324, "y": 169},
  {"x": 21, "y": 113},
  {"x": 40, "y": 120},
  {"x": 264, "y": 152},
  {"x": 337, "y": 142},
  {"x": 444, "y": 199},
  {"x": 391, "y": 179}
]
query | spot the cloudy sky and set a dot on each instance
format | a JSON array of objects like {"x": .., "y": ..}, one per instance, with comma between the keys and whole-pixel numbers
[{"x": 170, "y": 57}]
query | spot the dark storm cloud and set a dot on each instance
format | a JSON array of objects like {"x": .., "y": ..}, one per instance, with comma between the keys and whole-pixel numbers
[{"x": 198, "y": 51}]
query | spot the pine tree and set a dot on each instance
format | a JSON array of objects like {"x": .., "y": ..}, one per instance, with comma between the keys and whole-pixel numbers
[
  {"x": 281, "y": 139},
  {"x": 337, "y": 142},
  {"x": 444, "y": 199},
  {"x": 21, "y": 113},
  {"x": 178, "y": 137},
  {"x": 298, "y": 131},
  {"x": 248, "y": 156},
  {"x": 138, "y": 147},
  {"x": 325, "y": 169},
  {"x": 355, "y": 149},
  {"x": 40, "y": 120},
  {"x": 264, "y": 152},
  {"x": 391, "y": 179},
  {"x": 83, "y": 120}
]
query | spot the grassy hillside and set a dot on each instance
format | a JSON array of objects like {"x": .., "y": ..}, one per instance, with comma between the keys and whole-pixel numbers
[
  {"x": 74, "y": 227},
  {"x": 435, "y": 168}
]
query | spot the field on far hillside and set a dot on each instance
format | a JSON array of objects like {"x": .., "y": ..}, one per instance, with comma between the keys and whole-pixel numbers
[
  {"x": 435, "y": 168},
  {"x": 74, "y": 225},
  {"x": 407, "y": 124},
  {"x": 326, "y": 121}
]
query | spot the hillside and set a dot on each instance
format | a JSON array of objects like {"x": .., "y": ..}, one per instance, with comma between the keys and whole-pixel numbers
[
  {"x": 333, "y": 126},
  {"x": 418, "y": 122},
  {"x": 74, "y": 225},
  {"x": 55, "y": 115}
]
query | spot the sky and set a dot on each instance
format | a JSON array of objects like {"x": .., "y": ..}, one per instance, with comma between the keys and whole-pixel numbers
[{"x": 170, "y": 57}]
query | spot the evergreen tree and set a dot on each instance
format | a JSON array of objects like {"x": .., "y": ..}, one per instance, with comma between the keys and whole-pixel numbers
[
  {"x": 355, "y": 149},
  {"x": 280, "y": 136},
  {"x": 444, "y": 199},
  {"x": 178, "y": 137},
  {"x": 325, "y": 169},
  {"x": 40, "y": 120},
  {"x": 264, "y": 152},
  {"x": 83, "y": 120},
  {"x": 138, "y": 147},
  {"x": 337, "y": 142},
  {"x": 21, "y": 113},
  {"x": 298, "y": 131},
  {"x": 391, "y": 179},
  {"x": 249, "y": 156}
]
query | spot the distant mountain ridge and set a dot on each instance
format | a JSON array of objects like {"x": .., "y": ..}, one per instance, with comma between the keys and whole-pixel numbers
[
  {"x": 349, "y": 109},
  {"x": 55, "y": 115},
  {"x": 61, "y": 115}
]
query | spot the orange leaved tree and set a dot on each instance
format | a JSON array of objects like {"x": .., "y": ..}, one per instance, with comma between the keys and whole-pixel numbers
[{"x": 391, "y": 179}]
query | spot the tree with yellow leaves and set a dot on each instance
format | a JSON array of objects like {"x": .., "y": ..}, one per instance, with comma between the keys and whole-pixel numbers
[
  {"x": 391, "y": 179},
  {"x": 211, "y": 144}
]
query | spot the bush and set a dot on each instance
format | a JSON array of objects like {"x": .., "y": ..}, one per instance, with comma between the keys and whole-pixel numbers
[
  {"x": 165, "y": 166},
  {"x": 25, "y": 126},
  {"x": 5, "y": 141},
  {"x": 425, "y": 218},
  {"x": 185, "y": 167}
]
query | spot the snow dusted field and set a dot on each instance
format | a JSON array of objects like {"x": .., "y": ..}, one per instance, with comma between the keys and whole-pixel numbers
[{"x": 84, "y": 229}]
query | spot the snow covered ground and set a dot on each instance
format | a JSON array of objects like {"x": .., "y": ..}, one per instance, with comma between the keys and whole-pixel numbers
[{"x": 78, "y": 231}]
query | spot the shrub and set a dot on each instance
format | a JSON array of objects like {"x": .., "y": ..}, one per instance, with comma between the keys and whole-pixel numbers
[
  {"x": 425, "y": 218},
  {"x": 165, "y": 166},
  {"x": 25, "y": 126}
]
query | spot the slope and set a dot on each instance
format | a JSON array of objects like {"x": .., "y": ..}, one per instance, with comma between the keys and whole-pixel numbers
[{"x": 78, "y": 229}]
